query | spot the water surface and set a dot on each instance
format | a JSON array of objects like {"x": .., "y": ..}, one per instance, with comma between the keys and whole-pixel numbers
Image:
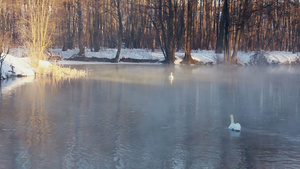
[{"x": 131, "y": 116}]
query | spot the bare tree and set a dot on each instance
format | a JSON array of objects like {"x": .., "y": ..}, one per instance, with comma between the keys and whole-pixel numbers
[
  {"x": 165, "y": 24},
  {"x": 68, "y": 25},
  {"x": 39, "y": 29},
  {"x": 187, "y": 56},
  {"x": 252, "y": 25}
]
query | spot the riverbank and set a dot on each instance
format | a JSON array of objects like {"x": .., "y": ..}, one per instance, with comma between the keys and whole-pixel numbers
[
  {"x": 273, "y": 57},
  {"x": 16, "y": 64}
]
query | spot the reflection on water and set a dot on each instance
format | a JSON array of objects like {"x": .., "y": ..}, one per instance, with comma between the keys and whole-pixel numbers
[{"x": 129, "y": 116}]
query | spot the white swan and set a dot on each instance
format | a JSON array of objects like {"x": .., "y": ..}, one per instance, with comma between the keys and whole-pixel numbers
[
  {"x": 171, "y": 77},
  {"x": 234, "y": 126}
]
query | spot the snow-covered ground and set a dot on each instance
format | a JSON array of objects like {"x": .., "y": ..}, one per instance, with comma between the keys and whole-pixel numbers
[
  {"x": 22, "y": 64},
  {"x": 200, "y": 55}
]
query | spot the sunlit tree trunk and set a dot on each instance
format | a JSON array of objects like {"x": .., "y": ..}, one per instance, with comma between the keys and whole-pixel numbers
[
  {"x": 80, "y": 29},
  {"x": 120, "y": 31}
]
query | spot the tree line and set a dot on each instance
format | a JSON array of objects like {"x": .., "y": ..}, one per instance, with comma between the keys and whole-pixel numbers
[{"x": 226, "y": 26}]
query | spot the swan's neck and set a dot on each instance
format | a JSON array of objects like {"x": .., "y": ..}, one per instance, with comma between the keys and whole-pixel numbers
[{"x": 231, "y": 118}]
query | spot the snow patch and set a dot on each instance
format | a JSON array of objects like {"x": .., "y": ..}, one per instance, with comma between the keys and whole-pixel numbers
[
  {"x": 199, "y": 55},
  {"x": 20, "y": 66}
]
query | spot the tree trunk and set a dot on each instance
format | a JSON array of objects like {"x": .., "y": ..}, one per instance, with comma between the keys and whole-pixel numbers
[
  {"x": 80, "y": 29},
  {"x": 120, "y": 32},
  {"x": 220, "y": 39},
  {"x": 71, "y": 33},
  {"x": 181, "y": 30},
  {"x": 66, "y": 27},
  {"x": 170, "y": 41},
  {"x": 96, "y": 25},
  {"x": 236, "y": 46},
  {"x": 227, "y": 45},
  {"x": 245, "y": 10},
  {"x": 187, "y": 56},
  {"x": 166, "y": 30}
]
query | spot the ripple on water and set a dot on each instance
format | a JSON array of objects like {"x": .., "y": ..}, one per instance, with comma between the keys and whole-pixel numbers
[{"x": 101, "y": 123}]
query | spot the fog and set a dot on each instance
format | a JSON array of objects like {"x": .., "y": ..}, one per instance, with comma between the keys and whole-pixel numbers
[{"x": 132, "y": 116}]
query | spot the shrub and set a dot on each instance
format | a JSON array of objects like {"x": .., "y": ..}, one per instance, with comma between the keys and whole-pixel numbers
[
  {"x": 258, "y": 58},
  {"x": 219, "y": 59},
  {"x": 58, "y": 71}
]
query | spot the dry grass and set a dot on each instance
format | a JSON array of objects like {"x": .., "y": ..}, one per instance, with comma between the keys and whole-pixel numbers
[{"x": 58, "y": 72}]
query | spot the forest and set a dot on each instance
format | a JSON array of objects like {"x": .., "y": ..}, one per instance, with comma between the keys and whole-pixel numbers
[{"x": 226, "y": 26}]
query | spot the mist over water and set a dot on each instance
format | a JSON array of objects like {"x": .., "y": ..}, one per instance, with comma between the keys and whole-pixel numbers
[{"x": 131, "y": 116}]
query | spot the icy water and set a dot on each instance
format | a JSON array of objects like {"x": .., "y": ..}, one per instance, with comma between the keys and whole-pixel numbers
[{"x": 132, "y": 117}]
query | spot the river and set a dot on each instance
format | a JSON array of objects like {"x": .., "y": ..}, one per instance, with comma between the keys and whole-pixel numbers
[{"x": 132, "y": 116}]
